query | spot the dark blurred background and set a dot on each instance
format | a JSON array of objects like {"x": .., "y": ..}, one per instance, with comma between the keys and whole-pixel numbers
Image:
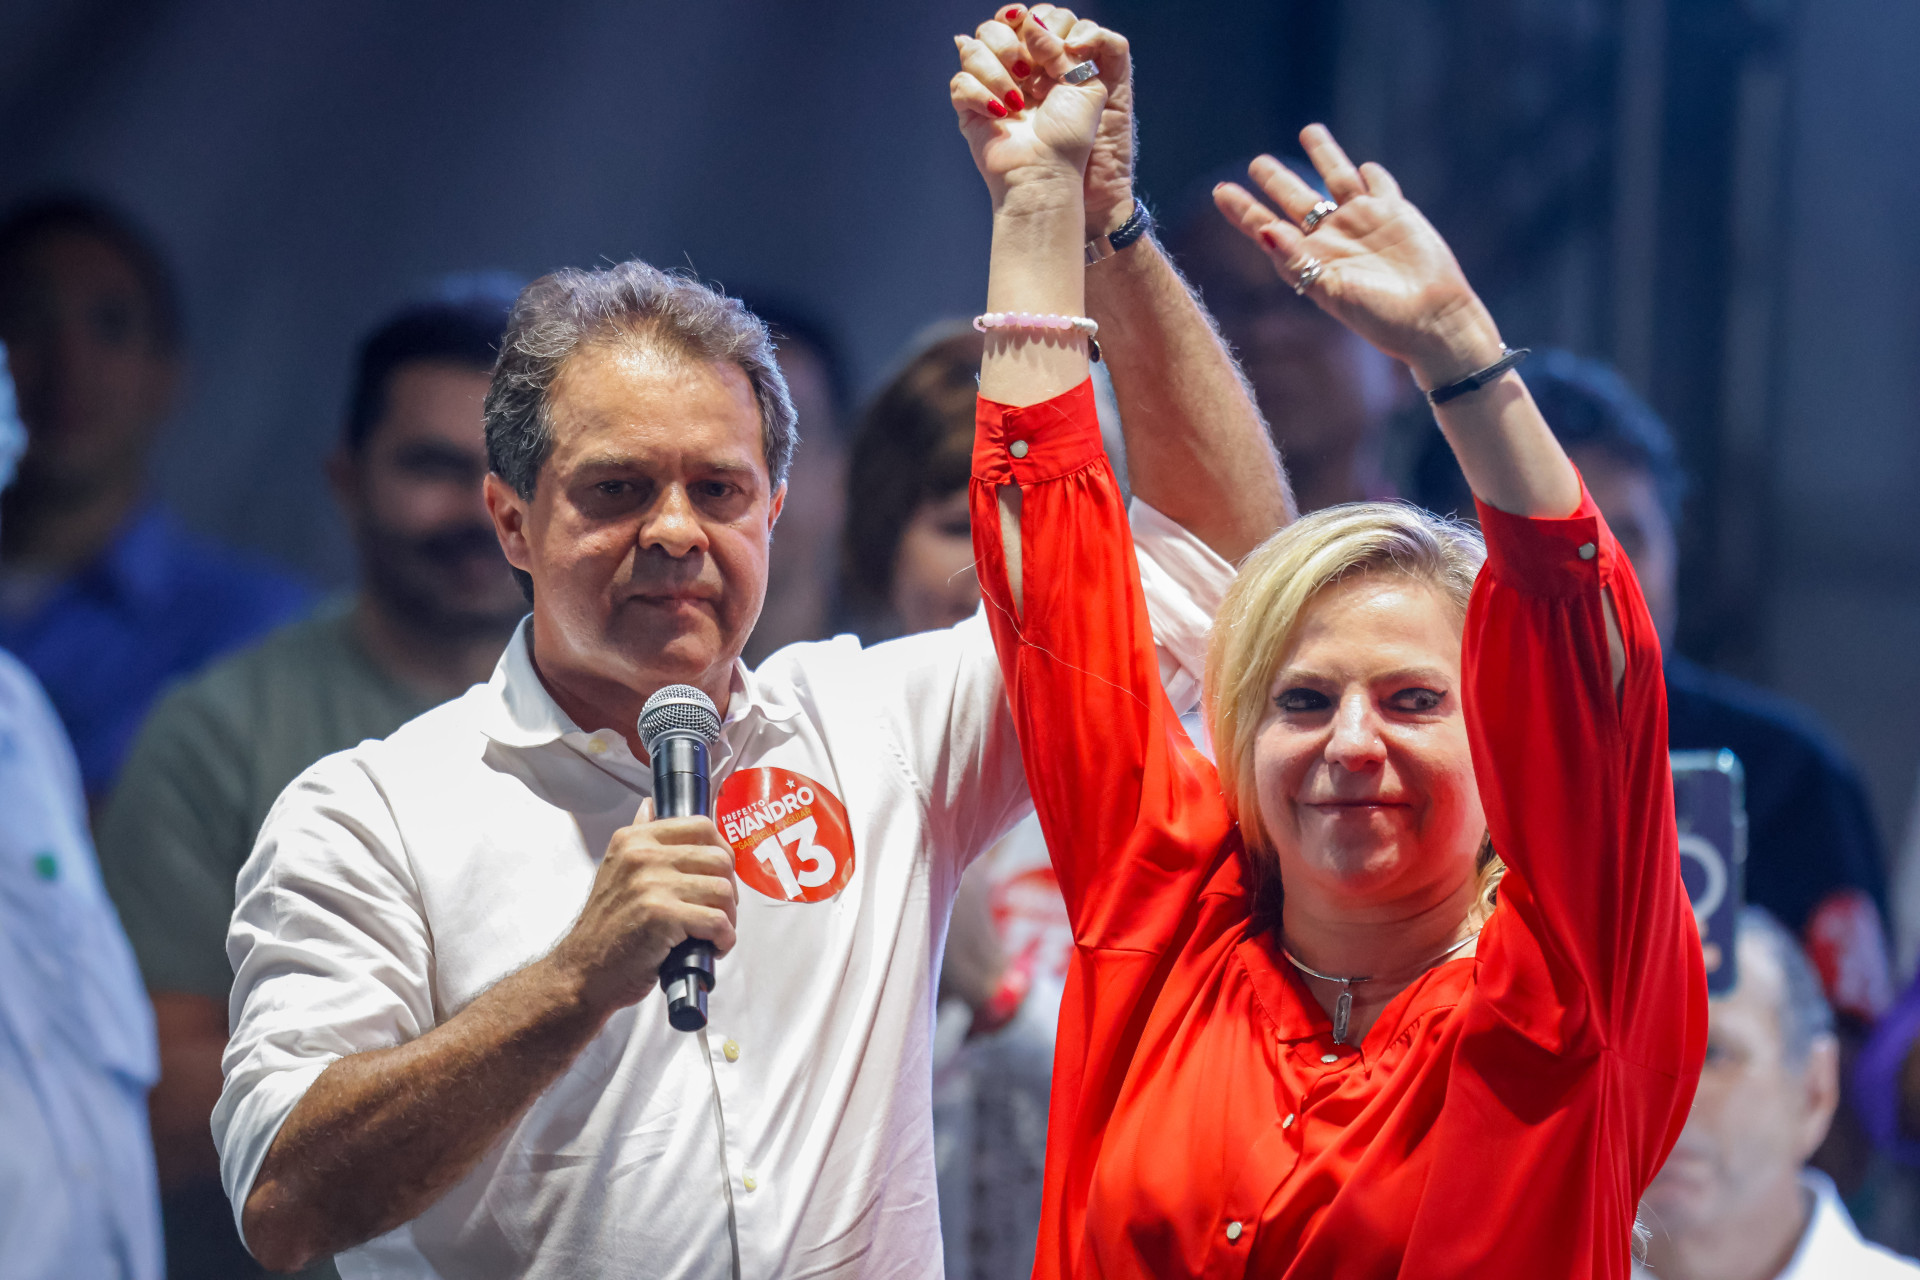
[{"x": 1717, "y": 195}]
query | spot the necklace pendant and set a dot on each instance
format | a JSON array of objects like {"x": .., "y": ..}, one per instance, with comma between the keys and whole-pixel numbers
[{"x": 1342, "y": 1013}]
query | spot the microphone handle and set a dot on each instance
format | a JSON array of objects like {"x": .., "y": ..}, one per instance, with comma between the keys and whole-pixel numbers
[{"x": 680, "y": 790}]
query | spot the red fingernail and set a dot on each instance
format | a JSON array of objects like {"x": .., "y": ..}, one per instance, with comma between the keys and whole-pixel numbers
[
  {"x": 1043, "y": 24},
  {"x": 1013, "y": 16},
  {"x": 1269, "y": 237},
  {"x": 999, "y": 112},
  {"x": 1022, "y": 70},
  {"x": 1014, "y": 100}
]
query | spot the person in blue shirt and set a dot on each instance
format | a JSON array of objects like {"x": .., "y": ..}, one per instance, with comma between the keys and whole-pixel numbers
[
  {"x": 1813, "y": 850},
  {"x": 103, "y": 595},
  {"x": 78, "y": 1195}
]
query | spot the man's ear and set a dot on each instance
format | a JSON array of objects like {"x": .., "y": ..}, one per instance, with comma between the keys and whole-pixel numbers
[
  {"x": 1820, "y": 1080},
  {"x": 509, "y": 512},
  {"x": 776, "y": 506}
]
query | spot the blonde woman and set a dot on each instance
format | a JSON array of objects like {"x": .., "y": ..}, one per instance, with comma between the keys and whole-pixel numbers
[{"x": 1306, "y": 1033}]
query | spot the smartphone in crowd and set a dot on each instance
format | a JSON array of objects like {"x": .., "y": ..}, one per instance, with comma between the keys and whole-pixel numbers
[{"x": 1710, "y": 805}]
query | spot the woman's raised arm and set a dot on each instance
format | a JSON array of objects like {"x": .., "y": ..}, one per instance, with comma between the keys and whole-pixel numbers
[{"x": 1373, "y": 262}]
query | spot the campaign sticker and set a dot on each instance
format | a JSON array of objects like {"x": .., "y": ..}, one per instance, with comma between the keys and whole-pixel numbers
[{"x": 790, "y": 835}]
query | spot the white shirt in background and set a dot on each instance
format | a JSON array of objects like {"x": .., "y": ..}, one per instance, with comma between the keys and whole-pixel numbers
[
  {"x": 77, "y": 1055},
  {"x": 393, "y": 883},
  {"x": 1831, "y": 1247}
]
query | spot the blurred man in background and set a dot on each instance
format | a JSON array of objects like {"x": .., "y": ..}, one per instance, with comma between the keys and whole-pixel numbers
[
  {"x": 77, "y": 1194},
  {"x": 102, "y": 594},
  {"x": 1736, "y": 1200},
  {"x": 1327, "y": 395},
  {"x": 435, "y": 606},
  {"x": 803, "y": 591},
  {"x": 1813, "y": 852}
]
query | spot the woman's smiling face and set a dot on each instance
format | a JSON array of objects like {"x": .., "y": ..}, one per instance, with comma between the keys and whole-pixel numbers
[{"x": 1362, "y": 767}]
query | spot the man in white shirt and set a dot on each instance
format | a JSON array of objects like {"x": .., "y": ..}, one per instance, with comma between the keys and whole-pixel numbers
[
  {"x": 449, "y": 1056},
  {"x": 78, "y": 1195},
  {"x": 1736, "y": 1200}
]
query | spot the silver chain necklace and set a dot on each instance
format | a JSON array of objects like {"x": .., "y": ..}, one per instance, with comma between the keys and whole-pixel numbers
[{"x": 1343, "y": 1007}]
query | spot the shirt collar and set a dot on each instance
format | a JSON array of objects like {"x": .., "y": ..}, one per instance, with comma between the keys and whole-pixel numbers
[
  {"x": 1831, "y": 1242},
  {"x": 521, "y": 713}
]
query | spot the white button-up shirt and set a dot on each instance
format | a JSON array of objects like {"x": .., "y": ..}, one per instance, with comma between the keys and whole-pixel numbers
[
  {"x": 77, "y": 1190},
  {"x": 395, "y": 882}
]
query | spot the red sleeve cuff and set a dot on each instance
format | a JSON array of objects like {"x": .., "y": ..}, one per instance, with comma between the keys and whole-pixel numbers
[
  {"x": 1567, "y": 557},
  {"x": 1036, "y": 442}
]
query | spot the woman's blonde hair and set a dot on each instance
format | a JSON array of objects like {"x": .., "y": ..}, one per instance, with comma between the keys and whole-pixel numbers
[{"x": 1263, "y": 610}]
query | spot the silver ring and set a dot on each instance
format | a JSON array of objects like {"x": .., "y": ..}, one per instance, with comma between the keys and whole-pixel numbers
[
  {"x": 1080, "y": 73},
  {"x": 1310, "y": 270},
  {"x": 1317, "y": 214}
]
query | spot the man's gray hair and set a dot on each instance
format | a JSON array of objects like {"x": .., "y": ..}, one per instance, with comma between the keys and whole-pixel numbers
[
  {"x": 1805, "y": 1016},
  {"x": 559, "y": 314}
]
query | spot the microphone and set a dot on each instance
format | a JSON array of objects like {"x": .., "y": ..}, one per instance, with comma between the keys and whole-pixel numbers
[{"x": 677, "y": 726}]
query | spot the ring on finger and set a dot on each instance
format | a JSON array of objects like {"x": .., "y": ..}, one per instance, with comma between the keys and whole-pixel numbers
[
  {"x": 1080, "y": 73},
  {"x": 1310, "y": 271},
  {"x": 1317, "y": 214}
]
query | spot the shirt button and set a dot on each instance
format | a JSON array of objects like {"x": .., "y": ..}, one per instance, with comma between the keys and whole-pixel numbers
[
  {"x": 1018, "y": 448},
  {"x": 1288, "y": 1122},
  {"x": 1233, "y": 1231},
  {"x": 1329, "y": 1058},
  {"x": 596, "y": 746},
  {"x": 749, "y": 1182},
  {"x": 732, "y": 1051},
  {"x": 1588, "y": 551}
]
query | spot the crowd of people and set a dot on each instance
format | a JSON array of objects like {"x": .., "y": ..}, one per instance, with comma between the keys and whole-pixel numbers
[{"x": 1155, "y": 832}]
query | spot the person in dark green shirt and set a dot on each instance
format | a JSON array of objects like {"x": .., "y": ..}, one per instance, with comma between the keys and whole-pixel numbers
[{"x": 435, "y": 606}]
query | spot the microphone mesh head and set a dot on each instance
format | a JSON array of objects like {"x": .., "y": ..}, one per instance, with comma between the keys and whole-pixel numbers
[{"x": 679, "y": 708}]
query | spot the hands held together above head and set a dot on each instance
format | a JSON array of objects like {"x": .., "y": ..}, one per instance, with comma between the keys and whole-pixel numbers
[{"x": 1025, "y": 125}]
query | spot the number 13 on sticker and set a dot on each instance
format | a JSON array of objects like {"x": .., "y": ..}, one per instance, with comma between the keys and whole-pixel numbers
[{"x": 790, "y": 836}]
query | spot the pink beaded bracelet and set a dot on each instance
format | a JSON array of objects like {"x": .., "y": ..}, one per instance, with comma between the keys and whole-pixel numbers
[{"x": 1035, "y": 321}]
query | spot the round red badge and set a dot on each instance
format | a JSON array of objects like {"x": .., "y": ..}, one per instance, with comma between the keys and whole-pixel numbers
[{"x": 790, "y": 835}]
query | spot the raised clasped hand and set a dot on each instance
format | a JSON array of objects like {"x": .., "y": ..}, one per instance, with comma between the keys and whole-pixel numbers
[
  {"x": 1374, "y": 263},
  {"x": 1025, "y": 124}
]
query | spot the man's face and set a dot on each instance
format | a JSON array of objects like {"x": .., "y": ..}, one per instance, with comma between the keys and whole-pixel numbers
[
  {"x": 414, "y": 494},
  {"x": 647, "y": 532},
  {"x": 1324, "y": 390},
  {"x": 1756, "y": 1118},
  {"x": 93, "y": 379},
  {"x": 1630, "y": 500}
]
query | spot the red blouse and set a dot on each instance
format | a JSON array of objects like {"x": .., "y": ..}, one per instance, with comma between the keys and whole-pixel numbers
[{"x": 1506, "y": 1111}]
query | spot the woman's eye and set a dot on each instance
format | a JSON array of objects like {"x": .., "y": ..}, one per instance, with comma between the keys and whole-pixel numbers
[
  {"x": 1418, "y": 700},
  {"x": 1300, "y": 700}
]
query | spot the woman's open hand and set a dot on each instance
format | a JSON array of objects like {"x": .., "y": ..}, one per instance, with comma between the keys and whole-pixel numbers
[
  {"x": 1384, "y": 271},
  {"x": 1021, "y": 122}
]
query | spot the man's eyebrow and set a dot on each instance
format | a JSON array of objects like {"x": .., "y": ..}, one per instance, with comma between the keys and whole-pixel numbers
[{"x": 627, "y": 462}]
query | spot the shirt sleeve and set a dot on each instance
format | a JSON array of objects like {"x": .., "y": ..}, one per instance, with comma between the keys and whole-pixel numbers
[
  {"x": 331, "y": 956},
  {"x": 1131, "y": 811},
  {"x": 173, "y": 835},
  {"x": 1579, "y": 800},
  {"x": 948, "y": 704}
]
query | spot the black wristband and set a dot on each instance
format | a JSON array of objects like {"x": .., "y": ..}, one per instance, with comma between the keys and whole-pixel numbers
[
  {"x": 1480, "y": 377},
  {"x": 1138, "y": 223}
]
